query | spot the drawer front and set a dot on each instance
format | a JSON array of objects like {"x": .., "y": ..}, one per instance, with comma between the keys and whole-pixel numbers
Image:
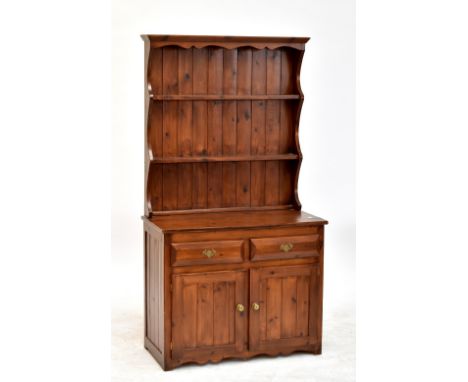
[
  {"x": 285, "y": 247},
  {"x": 207, "y": 252}
]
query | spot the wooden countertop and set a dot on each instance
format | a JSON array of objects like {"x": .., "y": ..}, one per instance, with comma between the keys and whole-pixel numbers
[{"x": 234, "y": 220}]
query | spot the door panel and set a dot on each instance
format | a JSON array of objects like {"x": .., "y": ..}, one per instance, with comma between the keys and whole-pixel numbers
[
  {"x": 290, "y": 307},
  {"x": 205, "y": 318}
]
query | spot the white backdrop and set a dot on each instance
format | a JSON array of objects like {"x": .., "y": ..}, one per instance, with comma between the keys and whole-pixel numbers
[
  {"x": 411, "y": 165},
  {"x": 326, "y": 184}
]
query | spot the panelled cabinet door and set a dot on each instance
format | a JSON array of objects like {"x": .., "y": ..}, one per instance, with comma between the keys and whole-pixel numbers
[
  {"x": 209, "y": 314},
  {"x": 286, "y": 307}
]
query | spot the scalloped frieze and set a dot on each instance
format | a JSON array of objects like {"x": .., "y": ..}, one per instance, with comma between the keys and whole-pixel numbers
[
  {"x": 228, "y": 45},
  {"x": 227, "y": 42}
]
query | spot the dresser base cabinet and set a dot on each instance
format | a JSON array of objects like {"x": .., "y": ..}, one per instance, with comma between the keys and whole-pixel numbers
[{"x": 266, "y": 299}]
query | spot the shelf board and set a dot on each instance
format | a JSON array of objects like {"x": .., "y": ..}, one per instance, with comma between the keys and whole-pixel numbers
[
  {"x": 233, "y": 158},
  {"x": 224, "y": 97}
]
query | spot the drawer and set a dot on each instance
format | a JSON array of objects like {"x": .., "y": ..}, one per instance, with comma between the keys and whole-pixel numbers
[
  {"x": 207, "y": 252},
  {"x": 285, "y": 247}
]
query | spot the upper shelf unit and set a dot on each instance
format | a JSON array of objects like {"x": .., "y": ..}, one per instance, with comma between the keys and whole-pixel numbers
[{"x": 222, "y": 118}]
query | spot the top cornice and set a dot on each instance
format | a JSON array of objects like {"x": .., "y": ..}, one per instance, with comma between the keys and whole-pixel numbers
[{"x": 227, "y": 42}]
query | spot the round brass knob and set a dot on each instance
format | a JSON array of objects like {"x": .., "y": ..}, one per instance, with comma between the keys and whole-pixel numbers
[
  {"x": 255, "y": 306},
  {"x": 240, "y": 307}
]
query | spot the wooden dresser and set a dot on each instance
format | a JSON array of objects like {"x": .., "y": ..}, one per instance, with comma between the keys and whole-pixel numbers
[{"x": 233, "y": 267}]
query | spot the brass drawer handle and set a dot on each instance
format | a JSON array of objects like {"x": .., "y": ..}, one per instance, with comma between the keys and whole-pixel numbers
[
  {"x": 240, "y": 308},
  {"x": 209, "y": 252},
  {"x": 286, "y": 247},
  {"x": 255, "y": 306}
]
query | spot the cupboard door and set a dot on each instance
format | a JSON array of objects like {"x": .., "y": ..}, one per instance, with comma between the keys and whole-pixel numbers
[
  {"x": 288, "y": 310},
  {"x": 206, "y": 314}
]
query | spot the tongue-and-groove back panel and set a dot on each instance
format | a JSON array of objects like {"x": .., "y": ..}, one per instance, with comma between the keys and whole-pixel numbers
[{"x": 222, "y": 128}]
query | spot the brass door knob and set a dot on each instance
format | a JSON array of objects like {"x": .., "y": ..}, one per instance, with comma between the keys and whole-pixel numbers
[
  {"x": 240, "y": 308},
  {"x": 255, "y": 306}
]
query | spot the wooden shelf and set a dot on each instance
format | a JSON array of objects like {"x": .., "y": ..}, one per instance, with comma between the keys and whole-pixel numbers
[
  {"x": 233, "y": 158},
  {"x": 224, "y": 97}
]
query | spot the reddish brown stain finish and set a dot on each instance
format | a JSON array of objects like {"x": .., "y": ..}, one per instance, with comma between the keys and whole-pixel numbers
[
  {"x": 233, "y": 267},
  {"x": 235, "y": 108}
]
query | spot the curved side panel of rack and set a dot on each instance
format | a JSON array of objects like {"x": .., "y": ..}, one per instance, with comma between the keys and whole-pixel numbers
[
  {"x": 297, "y": 202},
  {"x": 147, "y": 204}
]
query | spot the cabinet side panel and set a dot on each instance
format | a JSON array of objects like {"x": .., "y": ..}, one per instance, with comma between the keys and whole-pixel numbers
[
  {"x": 316, "y": 298},
  {"x": 149, "y": 288},
  {"x": 154, "y": 263},
  {"x": 160, "y": 252},
  {"x": 315, "y": 322},
  {"x": 155, "y": 286}
]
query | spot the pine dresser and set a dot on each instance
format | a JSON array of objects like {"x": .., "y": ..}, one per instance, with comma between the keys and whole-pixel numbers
[{"x": 233, "y": 266}]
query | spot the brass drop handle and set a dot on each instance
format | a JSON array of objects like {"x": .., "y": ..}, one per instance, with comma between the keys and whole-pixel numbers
[
  {"x": 286, "y": 247},
  {"x": 255, "y": 306},
  {"x": 209, "y": 252},
  {"x": 240, "y": 307}
]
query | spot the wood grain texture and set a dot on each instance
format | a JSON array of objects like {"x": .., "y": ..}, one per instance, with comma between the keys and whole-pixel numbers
[
  {"x": 233, "y": 220},
  {"x": 223, "y": 97},
  {"x": 227, "y": 120},
  {"x": 154, "y": 296},
  {"x": 223, "y": 224},
  {"x": 192, "y": 253},
  {"x": 267, "y": 248},
  {"x": 273, "y": 120},
  {"x": 283, "y": 294},
  {"x": 288, "y": 291},
  {"x": 206, "y": 319},
  {"x": 244, "y": 129},
  {"x": 215, "y": 133},
  {"x": 258, "y": 134}
]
